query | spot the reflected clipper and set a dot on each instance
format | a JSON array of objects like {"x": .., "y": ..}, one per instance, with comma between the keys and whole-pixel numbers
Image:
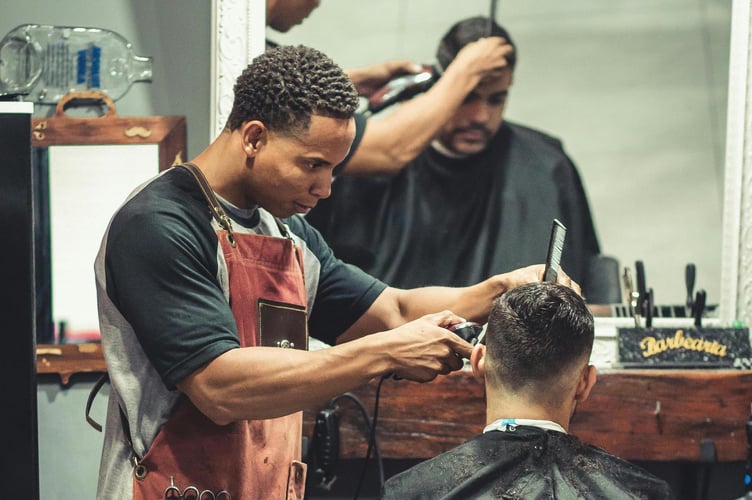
[{"x": 403, "y": 88}]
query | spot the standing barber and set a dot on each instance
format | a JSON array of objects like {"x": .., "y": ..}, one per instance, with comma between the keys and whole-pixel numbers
[{"x": 200, "y": 284}]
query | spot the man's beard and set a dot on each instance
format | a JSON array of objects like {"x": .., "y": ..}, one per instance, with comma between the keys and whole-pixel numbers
[{"x": 485, "y": 133}]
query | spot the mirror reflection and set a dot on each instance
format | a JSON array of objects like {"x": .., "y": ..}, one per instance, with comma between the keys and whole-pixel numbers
[
  {"x": 635, "y": 91},
  {"x": 80, "y": 199}
]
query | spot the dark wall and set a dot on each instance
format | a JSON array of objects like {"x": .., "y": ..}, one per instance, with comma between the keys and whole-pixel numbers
[{"x": 17, "y": 358}]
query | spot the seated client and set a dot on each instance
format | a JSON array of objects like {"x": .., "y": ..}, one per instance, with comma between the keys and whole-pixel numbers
[{"x": 535, "y": 368}]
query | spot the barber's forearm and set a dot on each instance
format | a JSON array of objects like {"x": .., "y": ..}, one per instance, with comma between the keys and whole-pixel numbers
[
  {"x": 264, "y": 382},
  {"x": 472, "y": 303},
  {"x": 395, "y": 306}
]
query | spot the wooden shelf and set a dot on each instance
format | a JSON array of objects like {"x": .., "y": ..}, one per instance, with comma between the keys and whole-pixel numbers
[{"x": 66, "y": 360}]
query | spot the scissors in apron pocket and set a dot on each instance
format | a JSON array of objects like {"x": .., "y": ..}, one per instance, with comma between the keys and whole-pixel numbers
[{"x": 172, "y": 492}]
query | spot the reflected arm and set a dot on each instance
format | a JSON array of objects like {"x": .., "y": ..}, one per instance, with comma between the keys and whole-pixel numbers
[{"x": 391, "y": 141}]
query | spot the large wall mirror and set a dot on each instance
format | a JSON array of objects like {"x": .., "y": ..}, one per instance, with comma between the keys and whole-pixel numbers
[
  {"x": 637, "y": 91},
  {"x": 86, "y": 167}
]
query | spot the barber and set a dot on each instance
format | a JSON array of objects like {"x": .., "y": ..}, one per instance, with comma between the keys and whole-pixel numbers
[{"x": 209, "y": 281}]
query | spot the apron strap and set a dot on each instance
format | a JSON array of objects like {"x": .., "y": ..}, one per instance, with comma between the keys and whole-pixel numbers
[
  {"x": 123, "y": 419},
  {"x": 216, "y": 208},
  {"x": 282, "y": 228},
  {"x": 90, "y": 400}
]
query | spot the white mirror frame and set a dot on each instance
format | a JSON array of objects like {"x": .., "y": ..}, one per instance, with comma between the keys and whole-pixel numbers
[
  {"x": 239, "y": 32},
  {"x": 238, "y": 35},
  {"x": 736, "y": 270}
]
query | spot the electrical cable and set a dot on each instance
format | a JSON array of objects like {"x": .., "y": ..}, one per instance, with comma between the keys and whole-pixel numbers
[
  {"x": 372, "y": 444},
  {"x": 370, "y": 429}
]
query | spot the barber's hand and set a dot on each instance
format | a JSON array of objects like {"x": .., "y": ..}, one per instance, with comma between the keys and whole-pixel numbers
[
  {"x": 481, "y": 56},
  {"x": 476, "y": 300},
  {"x": 369, "y": 79},
  {"x": 424, "y": 348},
  {"x": 535, "y": 273}
]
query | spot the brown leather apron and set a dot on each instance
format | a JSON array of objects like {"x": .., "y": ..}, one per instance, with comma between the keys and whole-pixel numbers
[{"x": 249, "y": 459}]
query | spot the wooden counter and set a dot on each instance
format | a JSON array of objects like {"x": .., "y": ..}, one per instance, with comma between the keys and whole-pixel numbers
[{"x": 659, "y": 415}]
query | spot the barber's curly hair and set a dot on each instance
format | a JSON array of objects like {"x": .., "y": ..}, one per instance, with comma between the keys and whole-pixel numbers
[{"x": 286, "y": 85}]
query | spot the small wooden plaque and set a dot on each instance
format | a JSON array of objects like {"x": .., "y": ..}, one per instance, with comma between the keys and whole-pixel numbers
[{"x": 684, "y": 347}]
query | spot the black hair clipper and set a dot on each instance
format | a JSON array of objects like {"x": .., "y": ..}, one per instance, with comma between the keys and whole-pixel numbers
[{"x": 468, "y": 331}]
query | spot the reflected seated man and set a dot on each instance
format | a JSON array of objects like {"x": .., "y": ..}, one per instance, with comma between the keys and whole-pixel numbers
[
  {"x": 534, "y": 363},
  {"x": 479, "y": 200}
]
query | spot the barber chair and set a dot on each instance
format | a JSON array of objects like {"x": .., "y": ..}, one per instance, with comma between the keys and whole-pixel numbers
[{"x": 603, "y": 285}]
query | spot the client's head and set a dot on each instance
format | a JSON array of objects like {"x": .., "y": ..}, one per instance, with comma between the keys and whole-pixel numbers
[
  {"x": 537, "y": 348},
  {"x": 467, "y": 31},
  {"x": 475, "y": 122}
]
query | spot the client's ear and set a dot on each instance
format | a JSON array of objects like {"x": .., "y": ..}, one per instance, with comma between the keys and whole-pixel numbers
[
  {"x": 585, "y": 383},
  {"x": 478, "y": 362}
]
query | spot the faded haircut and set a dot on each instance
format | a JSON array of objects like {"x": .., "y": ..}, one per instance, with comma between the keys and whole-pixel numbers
[{"x": 536, "y": 332}]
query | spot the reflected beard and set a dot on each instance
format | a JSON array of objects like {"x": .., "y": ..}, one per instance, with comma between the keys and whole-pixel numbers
[
  {"x": 484, "y": 132},
  {"x": 460, "y": 145}
]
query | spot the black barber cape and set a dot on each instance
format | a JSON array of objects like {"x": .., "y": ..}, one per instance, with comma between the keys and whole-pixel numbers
[
  {"x": 455, "y": 222},
  {"x": 528, "y": 463}
]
